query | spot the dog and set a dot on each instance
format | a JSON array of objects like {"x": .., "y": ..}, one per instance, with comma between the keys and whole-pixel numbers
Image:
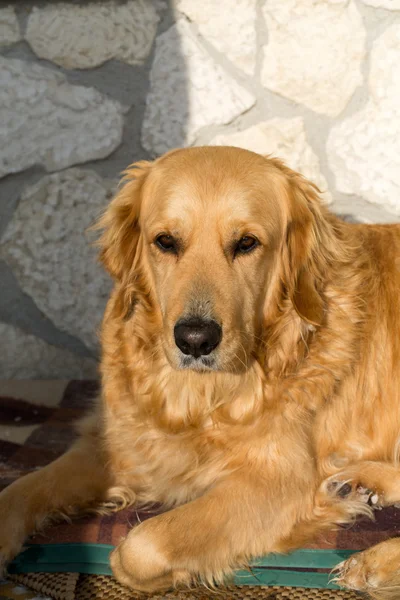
[{"x": 250, "y": 376}]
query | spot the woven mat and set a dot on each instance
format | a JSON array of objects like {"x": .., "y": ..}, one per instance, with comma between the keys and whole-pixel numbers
[
  {"x": 60, "y": 586},
  {"x": 101, "y": 587}
]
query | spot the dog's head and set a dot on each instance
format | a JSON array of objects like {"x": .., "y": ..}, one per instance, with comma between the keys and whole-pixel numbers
[{"x": 212, "y": 240}]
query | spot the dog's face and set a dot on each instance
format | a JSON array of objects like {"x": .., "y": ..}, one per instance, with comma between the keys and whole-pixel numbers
[
  {"x": 210, "y": 242},
  {"x": 205, "y": 228}
]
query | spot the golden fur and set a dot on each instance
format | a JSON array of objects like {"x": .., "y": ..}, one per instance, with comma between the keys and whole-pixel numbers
[{"x": 247, "y": 446}]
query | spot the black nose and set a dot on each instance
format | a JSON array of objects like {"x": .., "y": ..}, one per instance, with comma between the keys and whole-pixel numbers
[{"x": 197, "y": 336}]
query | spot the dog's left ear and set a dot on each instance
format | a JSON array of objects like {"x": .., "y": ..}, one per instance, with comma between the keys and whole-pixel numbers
[
  {"x": 307, "y": 249},
  {"x": 301, "y": 277}
]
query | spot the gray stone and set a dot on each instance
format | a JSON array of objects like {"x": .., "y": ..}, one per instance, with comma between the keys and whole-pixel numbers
[
  {"x": 364, "y": 150},
  {"x": 18, "y": 309},
  {"x": 24, "y": 356},
  {"x": 9, "y": 28},
  {"x": 232, "y": 30},
  {"x": 314, "y": 53},
  {"x": 85, "y": 36},
  {"x": 46, "y": 121},
  {"x": 47, "y": 247},
  {"x": 189, "y": 91},
  {"x": 282, "y": 138}
]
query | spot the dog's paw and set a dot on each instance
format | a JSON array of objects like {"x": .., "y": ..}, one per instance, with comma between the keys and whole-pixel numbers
[
  {"x": 348, "y": 485},
  {"x": 139, "y": 563},
  {"x": 354, "y": 574},
  {"x": 376, "y": 571},
  {"x": 8, "y": 550},
  {"x": 346, "y": 499},
  {"x": 352, "y": 490}
]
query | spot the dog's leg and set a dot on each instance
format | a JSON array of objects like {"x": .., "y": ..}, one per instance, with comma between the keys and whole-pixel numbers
[
  {"x": 204, "y": 540},
  {"x": 76, "y": 480},
  {"x": 376, "y": 570},
  {"x": 198, "y": 541}
]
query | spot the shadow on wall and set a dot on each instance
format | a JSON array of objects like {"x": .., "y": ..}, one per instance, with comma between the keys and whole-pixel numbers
[{"x": 86, "y": 88}]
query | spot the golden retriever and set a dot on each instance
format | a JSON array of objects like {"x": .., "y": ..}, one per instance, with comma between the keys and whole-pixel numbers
[{"x": 250, "y": 375}]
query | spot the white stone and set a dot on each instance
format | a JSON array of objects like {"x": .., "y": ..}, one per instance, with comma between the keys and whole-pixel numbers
[
  {"x": 9, "y": 27},
  {"x": 46, "y": 121},
  {"x": 284, "y": 139},
  {"x": 188, "y": 91},
  {"x": 231, "y": 30},
  {"x": 47, "y": 246},
  {"x": 388, "y": 4},
  {"x": 364, "y": 150},
  {"x": 314, "y": 53},
  {"x": 85, "y": 36},
  {"x": 25, "y": 356}
]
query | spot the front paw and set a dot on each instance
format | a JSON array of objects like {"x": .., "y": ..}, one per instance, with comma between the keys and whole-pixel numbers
[
  {"x": 9, "y": 548},
  {"x": 348, "y": 485},
  {"x": 139, "y": 561},
  {"x": 352, "y": 574},
  {"x": 352, "y": 490},
  {"x": 375, "y": 571}
]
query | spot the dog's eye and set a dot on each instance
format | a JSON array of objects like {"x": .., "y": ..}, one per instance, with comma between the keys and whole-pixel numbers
[
  {"x": 166, "y": 243},
  {"x": 245, "y": 244}
]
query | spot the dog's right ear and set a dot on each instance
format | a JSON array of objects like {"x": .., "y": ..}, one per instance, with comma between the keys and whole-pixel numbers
[{"x": 120, "y": 223}]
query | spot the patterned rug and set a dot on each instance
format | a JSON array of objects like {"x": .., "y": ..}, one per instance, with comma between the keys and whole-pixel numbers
[{"x": 36, "y": 420}]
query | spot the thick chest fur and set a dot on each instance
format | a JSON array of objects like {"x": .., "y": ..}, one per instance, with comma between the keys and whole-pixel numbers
[
  {"x": 172, "y": 454},
  {"x": 176, "y": 467}
]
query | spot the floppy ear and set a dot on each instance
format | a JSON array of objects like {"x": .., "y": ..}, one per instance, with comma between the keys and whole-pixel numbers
[
  {"x": 308, "y": 248},
  {"x": 301, "y": 277},
  {"x": 120, "y": 224}
]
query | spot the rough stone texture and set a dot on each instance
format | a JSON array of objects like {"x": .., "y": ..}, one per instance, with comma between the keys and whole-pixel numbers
[
  {"x": 27, "y": 357},
  {"x": 189, "y": 90},
  {"x": 314, "y": 52},
  {"x": 232, "y": 32},
  {"x": 364, "y": 150},
  {"x": 9, "y": 28},
  {"x": 47, "y": 247},
  {"x": 47, "y": 121},
  {"x": 285, "y": 139},
  {"x": 82, "y": 37},
  {"x": 388, "y": 4}
]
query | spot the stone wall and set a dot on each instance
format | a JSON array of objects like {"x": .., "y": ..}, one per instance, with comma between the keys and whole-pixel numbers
[{"x": 88, "y": 87}]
